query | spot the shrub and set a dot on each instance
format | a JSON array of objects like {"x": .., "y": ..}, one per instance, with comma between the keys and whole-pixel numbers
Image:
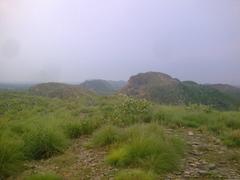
[
  {"x": 43, "y": 142},
  {"x": 135, "y": 174},
  {"x": 76, "y": 129},
  {"x": 131, "y": 111},
  {"x": 45, "y": 176},
  {"x": 107, "y": 135},
  {"x": 148, "y": 147},
  {"x": 11, "y": 155}
]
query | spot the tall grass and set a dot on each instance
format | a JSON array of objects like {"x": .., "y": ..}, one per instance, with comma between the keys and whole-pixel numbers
[
  {"x": 232, "y": 138},
  {"x": 43, "y": 142},
  {"x": 107, "y": 135},
  {"x": 224, "y": 125},
  {"x": 11, "y": 156},
  {"x": 150, "y": 148},
  {"x": 76, "y": 128}
]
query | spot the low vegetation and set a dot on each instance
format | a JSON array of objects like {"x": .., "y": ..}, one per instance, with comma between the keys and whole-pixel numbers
[
  {"x": 107, "y": 135},
  {"x": 148, "y": 147},
  {"x": 135, "y": 174},
  {"x": 75, "y": 129},
  {"x": 11, "y": 155},
  {"x": 43, "y": 142},
  {"x": 134, "y": 131},
  {"x": 223, "y": 124}
]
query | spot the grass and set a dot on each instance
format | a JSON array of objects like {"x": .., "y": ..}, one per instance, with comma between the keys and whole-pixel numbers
[
  {"x": 135, "y": 174},
  {"x": 107, "y": 135},
  {"x": 150, "y": 148},
  {"x": 75, "y": 129},
  {"x": 11, "y": 156},
  {"x": 232, "y": 138},
  {"x": 43, "y": 142},
  {"x": 36, "y": 128},
  {"x": 224, "y": 125}
]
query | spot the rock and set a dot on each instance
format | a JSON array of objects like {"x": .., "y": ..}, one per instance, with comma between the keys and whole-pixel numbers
[
  {"x": 190, "y": 133},
  {"x": 178, "y": 173},
  {"x": 212, "y": 166},
  {"x": 203, "y": 172}
]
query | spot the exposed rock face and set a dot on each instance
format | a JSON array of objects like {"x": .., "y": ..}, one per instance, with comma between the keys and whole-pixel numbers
[{"x": 155, "y": 86}]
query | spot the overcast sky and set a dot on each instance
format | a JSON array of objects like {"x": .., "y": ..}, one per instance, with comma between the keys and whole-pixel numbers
[{"x": 74, "y": 40}]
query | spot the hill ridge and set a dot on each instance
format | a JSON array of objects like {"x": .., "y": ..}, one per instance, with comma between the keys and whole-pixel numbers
[{"x": 164, "y": 89}]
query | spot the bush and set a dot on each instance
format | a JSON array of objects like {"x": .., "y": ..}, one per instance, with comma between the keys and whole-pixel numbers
[
  {"x": 135, "y": 174},
  {"x": 76, "y": 129},
  {"x": 46, "y": 176},
  {"x": 148, "y": 147},
  {"x": 131, "y": 111},
  {"x": 43, "y": 142},
  {"x": 107, "y": 135},
  {"x": 11, "y": 155}
]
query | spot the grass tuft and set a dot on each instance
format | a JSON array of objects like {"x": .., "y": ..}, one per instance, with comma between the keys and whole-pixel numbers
[
  {"x": 45, "y": 176},
  {"x": 11, "y": 155},
  {"x": 78, "y": 128},
  {"x": 135, "y": 174},
  {"x": 149, "y": 148},
  {"x": 43, "y": 142},
  {"x": 107, "y": 135}
]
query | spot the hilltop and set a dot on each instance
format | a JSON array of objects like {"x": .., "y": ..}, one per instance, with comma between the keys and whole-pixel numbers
[{"x": 164, "y": 89}]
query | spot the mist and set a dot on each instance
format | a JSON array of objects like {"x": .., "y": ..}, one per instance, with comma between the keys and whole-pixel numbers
[{"x": 71, "y": 41}]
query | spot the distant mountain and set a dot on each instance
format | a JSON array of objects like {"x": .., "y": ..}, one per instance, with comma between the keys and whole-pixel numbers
[
  {"x": 231, "y": 91},
  {"x": 59, "y": 90},
  {"x": 164, "y": 89},
  {"x": 103, "y": 87},
  {"x": 15, "y": 86}
]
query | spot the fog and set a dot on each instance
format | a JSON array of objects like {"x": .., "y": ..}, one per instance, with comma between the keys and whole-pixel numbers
[{"x": 74, "y": 40}]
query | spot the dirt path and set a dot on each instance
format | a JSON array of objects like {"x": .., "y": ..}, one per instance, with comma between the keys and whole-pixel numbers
[
  {"x": 78, "y": 162},
  {"x": 206, "y": 158}
]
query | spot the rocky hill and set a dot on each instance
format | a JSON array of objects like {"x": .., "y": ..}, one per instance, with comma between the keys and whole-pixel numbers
[{"x": 164, "y": 89}]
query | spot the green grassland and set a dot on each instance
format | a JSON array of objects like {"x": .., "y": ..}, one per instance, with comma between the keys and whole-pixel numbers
[{"x": 35, "y": 128}]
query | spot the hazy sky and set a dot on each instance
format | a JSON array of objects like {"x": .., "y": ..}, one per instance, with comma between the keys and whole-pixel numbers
[{"x": 74, "y": 40}]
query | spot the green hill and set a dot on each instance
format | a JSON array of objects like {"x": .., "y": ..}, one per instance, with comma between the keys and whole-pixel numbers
[
  {"x": 231, "y": 91},
  {"x": 59, "y": 90},
  {"x": 164, "y": 89},
  {"x": 15, "y": 86}
]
